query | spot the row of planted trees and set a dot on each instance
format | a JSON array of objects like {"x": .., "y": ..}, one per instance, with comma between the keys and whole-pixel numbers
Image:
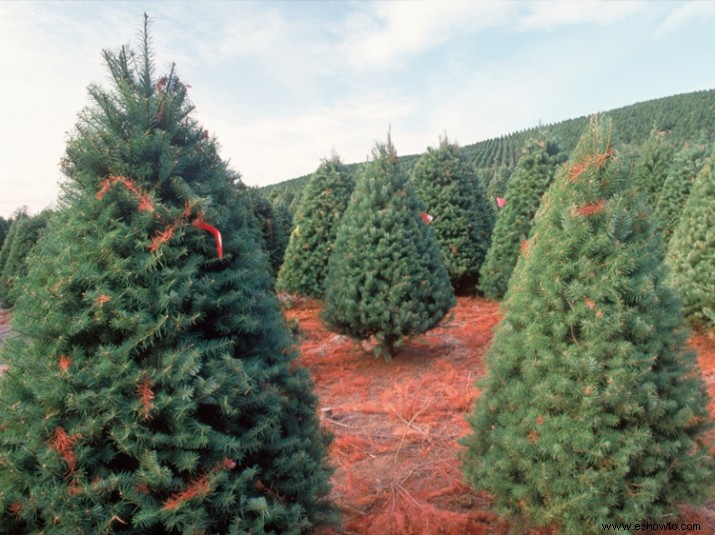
[{"x": 152, "y": 384}]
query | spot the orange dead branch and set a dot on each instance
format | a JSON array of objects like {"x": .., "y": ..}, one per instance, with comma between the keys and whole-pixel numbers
[
  {"x": 198, "y": 487},
  {"x": 146, "y": 395},
  {"x": 65, "y": 362},
  {"x": 102, "y": 299},
  {"x": 145, "y": 202},
  {"x": 591, "y": 209},
  {"x": 64, "y": 444}
]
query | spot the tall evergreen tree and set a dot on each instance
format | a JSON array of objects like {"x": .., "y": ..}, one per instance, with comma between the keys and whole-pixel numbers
[
  {"x": 4, "y": 227},
  {"x": 676, "y": 188},
  {"x": 593, "y": 406},
  {"x": 651, "y": 165},
  {"x": 446, "y": 182},
  {"x": 691, "y": 251},
  {"x": 26, "y": 233},
  {"x": 153, "y": 388},
  {"x": 274, "y": 223},
  {"x": 324, "y": 199},
  {"x": 534, "y": 173},
  {"x": 386, "y": 277}
]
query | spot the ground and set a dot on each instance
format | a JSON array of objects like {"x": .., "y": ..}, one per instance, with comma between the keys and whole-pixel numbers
[{"x": 396, "y": 426}]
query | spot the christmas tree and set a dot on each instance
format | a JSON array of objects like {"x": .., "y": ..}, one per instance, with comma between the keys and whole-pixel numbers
[
  {"x": 534, "y": 173},
  {"x": 323, "y": 202},
  {"x": 691, "y": 251},
  {"x": 676, "y": 188},
  {"x": 386, "y": 278},
  {"x": 593, "y": 408},
  {"x": 25, "y": 233},
  {"x": 462, "y": 223},
  {"x": 274, "y": 223},
  {"x": 651, "y": 165},
  {"x": 152, "y": 387}
]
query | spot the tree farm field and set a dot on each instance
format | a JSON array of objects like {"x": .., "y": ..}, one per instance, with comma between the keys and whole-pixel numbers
[{"x": 396, "y": 427}]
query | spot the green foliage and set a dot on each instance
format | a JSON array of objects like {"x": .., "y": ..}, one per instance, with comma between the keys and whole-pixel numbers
[
  {"x": 652, "y": 164},
  {"x": 676, "y": 188},
  {"x": 274, "y": 223},
  {"x": 691, "y": 251},
  {"x": 4, "y": 227},
  {"x": 25, "y": 233},
  {"x": 153, "y": 387},
  {"x": 532, "y": 176},
  {"x": 316, "y": 223},
  {"x": 447, "y": 184},
  {"x": 592, "y": 407},
  {"x": 386, "y": 277}
]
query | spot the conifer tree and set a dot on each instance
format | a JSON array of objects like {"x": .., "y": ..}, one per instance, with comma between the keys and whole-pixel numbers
[
  {"x": 445, "y": 181},
  {"x": 651, "y": 165},
  {"x": 676, "y": 188},
  {"x": 592, "y": 408},
  {"x": 274, "y": 223},
  {"x": 323, "y": 202},
  {"x": 4, "y": 227},
  {"x": 14, "y": 269},
  {"x": 386, "y": 277},
  {"x": 153, "y": 387},
  {"x": 691, "y": 251},
  {"x": 534, "y": 173}
]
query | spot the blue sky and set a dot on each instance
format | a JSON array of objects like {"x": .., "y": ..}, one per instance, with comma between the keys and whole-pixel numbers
[{"x": 283, "y": 84}]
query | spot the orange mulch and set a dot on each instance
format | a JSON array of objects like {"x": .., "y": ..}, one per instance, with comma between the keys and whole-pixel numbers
[{"x": 397, "y": 426}]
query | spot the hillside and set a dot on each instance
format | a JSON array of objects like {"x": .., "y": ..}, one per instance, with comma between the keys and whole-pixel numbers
[{"x": 685, "y": 117}]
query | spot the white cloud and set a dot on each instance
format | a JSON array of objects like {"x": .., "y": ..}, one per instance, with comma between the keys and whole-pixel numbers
[
  {"x": 381, "y": 33},
  {"x": 686, "y": 13},
  {"x": 551, "y": 15}
]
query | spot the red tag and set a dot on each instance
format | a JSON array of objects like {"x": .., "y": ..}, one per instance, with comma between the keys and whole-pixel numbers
[
  {"x": 200, "y": 223},
  {"x": 426, "y": 218},
  {"x": 501, "y": 202}
]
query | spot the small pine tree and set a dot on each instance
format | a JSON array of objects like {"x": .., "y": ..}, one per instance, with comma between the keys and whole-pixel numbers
[
  {"x": 154, "y": 387},
  {"x": 593, "y": 407},
  {"x": 26, "y": 234},
  {"x": 386, "y": 277},
  {"x": 323, "y": 202},
  {"x": 446, "y": 183},
  {"x": 676, "y": 188},
  {"x": 651, "y": 165},
  {"x": 691, "y": 251},
  {"x": 534, "y": 173},
  {"x": 274, "y": 223}
]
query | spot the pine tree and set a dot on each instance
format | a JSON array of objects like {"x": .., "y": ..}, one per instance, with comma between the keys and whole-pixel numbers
[
  {"x": 534, "y": 173},
  {"x": 274, "y": 223},
  {"x": 25, "y": 235},
  {"x": 153, "y": 386},
  {"x": 324, "y": 199},
  {"x": 445, "y": 181},
  {"x": 676, "y": 188},
  {"x": 592, "y": 406},
  {"x": 651, "y": 165},
  {"x": 691, "y": 251},
  {"x": 386, "y": 277},
  {"x": 4, "y": 227}
]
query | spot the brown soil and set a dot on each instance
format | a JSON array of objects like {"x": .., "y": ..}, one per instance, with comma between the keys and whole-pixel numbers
[{"x": 396, "y": 426}]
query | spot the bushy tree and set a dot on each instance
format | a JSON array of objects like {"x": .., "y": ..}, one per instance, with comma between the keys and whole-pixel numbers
[
  {"x": 651, "y": 165},
  {"x": 446, "y": 182},
  {"x": 534, "y": 173},
  {"x": 592, "y": 408},
  {"x": 153, "y": 387},
  {"x": 676, "y": 188},
  {"x": 691, "y": 251},
  {"x": 26, "y": 232},
  {"x": 386, "y": 277},
  {"x": 324, "y": 199},
  {"x": 275, "y": 224},
  {"x": 4, "y": 227}
]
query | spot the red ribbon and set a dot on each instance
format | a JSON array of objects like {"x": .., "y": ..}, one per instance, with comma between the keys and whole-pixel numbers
[
  {"x": 426, "y": 218},
  {"x": 203, "y": 225},
  {"x": 501, "y": 202}
]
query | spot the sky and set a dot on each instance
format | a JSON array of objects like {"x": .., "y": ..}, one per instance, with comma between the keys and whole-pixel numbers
[{"x": 283, "y": 85}]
